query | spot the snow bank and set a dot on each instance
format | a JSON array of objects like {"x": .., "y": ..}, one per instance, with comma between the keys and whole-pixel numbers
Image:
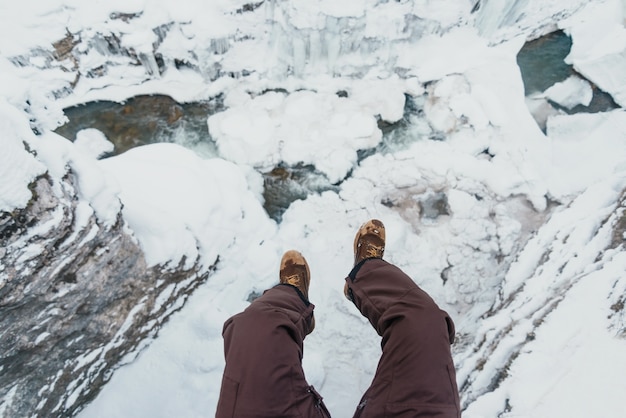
[
  {"x": 181, "y": 207},
  {"x": 570, "y": 93},
  {"x": 549, "y": 332},
  {"x": 18, "y": 168},
  {"x": 322, "y": 129},
  {"x": 586, "y": 148},
  {"x": 599, "y": 46},
  {"x": 61, "y": 157}
]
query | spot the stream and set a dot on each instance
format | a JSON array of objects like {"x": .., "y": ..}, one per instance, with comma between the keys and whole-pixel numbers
[{"x": 151, "y": 119}]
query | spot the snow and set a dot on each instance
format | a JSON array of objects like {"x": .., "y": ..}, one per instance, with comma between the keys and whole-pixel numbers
[
  {"x": 15, "y": 163},
  {"x": 587, "y": 148},
  {"x": 41, "y": 337},
  {"x": 93, "y": 142},
  {"x": 304, "y": 127},
  {"x": 179, "y": 205},
  {"x": 573, "y": 356},
  {"x": 62, "y": 156},
  {"x": 570, "y": 93},
  {"x": 8, "y": 400},
  {"x": 599, "y": 46},
  {"x": 498, "y": 172}
]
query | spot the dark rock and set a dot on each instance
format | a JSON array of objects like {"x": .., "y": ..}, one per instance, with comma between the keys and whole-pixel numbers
[{"x": 63, "y": 48}]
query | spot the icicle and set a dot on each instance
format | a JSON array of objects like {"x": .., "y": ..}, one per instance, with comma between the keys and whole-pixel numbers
[
  {"x": 161, "y": 32},
  {"x": 149, "y": 63},
  {"x": 495, "y": 14},
  {"x": 220, "y": 45},
  {"x": 106, "y": 45},
  {"x": 333, "y": 42},
  {"x": 315, "y": 48},
  {"x": 299, "y": 55}
]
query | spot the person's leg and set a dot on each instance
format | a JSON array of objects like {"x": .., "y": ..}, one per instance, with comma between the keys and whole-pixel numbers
[
  {"x": 263, "y": 347},
  {"x": 415, "y": 375}
]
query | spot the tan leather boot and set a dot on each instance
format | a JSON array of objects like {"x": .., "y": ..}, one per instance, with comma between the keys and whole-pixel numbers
[
  {"x": 369, "y": 241},
  {"x": 294, "y": 270}
]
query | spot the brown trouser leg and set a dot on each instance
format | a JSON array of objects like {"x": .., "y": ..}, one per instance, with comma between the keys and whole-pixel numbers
[
  {"x": 415, "y": 375},
  {"x": 263, "y": 347}
]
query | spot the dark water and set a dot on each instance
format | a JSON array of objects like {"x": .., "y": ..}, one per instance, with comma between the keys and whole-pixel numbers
[
  {"x": 542, "y": 64},
  {"x": 286, "y": 184},
  {"x": 542, "y": 61},
  {"x": 145, "y": 120}
]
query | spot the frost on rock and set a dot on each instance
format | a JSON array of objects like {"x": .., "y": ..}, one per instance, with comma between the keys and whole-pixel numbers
[
  {"x": 73, "y": 297},
  {"x": 566, "y": 250},
  {"x": 15, "y": 162},
  {"x": 617, "y": 297},
  {"x": 599, "y": 46},
  {"x": 499, "y": 20}
]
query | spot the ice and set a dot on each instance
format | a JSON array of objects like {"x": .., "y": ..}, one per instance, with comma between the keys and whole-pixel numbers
[
  {"x": 586, "y": 148},
  {"x": 500, "y": 21},
  {"x": 599, "y": 46},
  {"x": 495, "y": 14},
  {"x": 570, "y": 93},
  {"x": 447, "y": 13},
  {"x": 303, "y": 13}
]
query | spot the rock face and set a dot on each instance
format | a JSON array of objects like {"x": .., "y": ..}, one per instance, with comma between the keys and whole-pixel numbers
[
  {"x": 563, "y": 254},
  {"x": 76, "y": 301}
]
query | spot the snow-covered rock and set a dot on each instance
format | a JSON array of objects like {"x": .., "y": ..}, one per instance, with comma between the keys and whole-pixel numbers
[{"x": 77, "y": 300}]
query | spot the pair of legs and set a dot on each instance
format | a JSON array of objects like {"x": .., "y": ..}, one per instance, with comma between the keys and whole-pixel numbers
[{"x": 263, "y": 345}]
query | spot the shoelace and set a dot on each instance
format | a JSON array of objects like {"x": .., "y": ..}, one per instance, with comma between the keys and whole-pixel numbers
[
  {"x": 373, "y": 251},
  {"x": 293, "y": 280}
]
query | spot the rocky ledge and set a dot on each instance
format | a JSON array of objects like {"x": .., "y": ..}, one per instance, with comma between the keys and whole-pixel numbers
[{"x": 77, "y": 300}]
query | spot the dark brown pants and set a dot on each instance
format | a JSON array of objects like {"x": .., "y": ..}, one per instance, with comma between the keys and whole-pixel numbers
[
  {"x": 263, "y": 377},
  {"x": 415, "y": 375}
]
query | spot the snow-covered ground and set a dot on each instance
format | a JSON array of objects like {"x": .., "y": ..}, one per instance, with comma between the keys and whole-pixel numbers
[{"x": 518, "y": 257}]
